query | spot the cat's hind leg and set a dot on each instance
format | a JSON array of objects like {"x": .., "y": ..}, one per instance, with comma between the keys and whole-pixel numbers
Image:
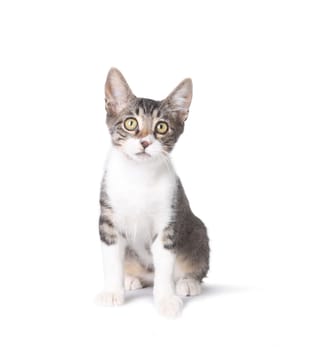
[
  {"x": 132, "y": 283},
  {"x": 187, "y": 287},
  {"x": 137, "y": 276},
  {"x": 186, "y": 275}
]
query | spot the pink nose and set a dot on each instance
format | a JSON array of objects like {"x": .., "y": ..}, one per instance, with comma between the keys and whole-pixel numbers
[{"x": 145, "y": 144}]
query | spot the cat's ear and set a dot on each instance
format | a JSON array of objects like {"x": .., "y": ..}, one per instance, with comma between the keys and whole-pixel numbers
[
  {"x": 180, "y": 98},
  {"x": 117, "y": 92}
]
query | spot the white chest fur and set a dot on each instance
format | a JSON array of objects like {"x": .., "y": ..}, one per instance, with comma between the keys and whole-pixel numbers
[{"x": 141, "y": 195}]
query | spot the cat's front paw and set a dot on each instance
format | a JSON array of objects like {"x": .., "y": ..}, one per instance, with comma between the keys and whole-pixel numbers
[
  {"x": 169, "y": 306},
  {"x": 110, "y": 298}
]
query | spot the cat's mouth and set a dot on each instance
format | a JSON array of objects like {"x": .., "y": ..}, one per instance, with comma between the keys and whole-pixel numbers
[{"x": 143, "y": 155}]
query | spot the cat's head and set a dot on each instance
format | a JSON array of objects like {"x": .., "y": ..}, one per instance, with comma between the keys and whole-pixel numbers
[{"x": 141, "y": 128}]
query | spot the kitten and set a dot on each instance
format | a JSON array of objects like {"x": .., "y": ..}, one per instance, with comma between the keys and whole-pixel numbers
[{"x": 148, "y": 232}]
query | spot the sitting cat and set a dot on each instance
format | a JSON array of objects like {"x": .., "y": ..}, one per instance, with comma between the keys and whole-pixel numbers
[{"x": 148, "y": 232}]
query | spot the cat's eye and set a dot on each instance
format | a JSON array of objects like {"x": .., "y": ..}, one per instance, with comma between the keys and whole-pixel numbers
[
  {"x": 161, "y": 128},
  {"x": 130, "y": 124}
]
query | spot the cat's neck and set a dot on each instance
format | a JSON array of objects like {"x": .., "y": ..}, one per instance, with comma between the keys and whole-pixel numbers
[{"x": 156, "y": 167}]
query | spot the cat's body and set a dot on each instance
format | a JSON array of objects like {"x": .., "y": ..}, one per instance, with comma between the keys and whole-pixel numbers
[
  {"x": 148, "y": 232},
  {"x": 141, "y": 205}
]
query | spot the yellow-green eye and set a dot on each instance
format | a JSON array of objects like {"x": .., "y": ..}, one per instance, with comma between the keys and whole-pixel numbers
[
  {"x": 161, "y": 127},
  {"x": 130, "y": 124}
]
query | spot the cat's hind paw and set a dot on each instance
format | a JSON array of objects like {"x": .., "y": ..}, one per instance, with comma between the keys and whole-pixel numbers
[
  {"x": 110, "y": 298},
  {"x": 132, "y": 283},
  {"x": 169, "y": 306},
  {"x": 187, "y": 287}
]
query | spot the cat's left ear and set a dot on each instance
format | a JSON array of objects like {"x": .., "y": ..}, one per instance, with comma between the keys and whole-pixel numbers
[{"x": 180, "y": 98}]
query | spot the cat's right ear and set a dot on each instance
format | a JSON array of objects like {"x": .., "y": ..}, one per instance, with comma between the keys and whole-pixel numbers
[{"x": 117, "y": 92}]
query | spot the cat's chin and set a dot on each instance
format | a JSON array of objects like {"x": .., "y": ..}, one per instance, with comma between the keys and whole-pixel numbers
[{"x": 143, "y": 157}]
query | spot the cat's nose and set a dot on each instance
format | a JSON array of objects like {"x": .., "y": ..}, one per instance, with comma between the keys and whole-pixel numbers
[{"x": 145, "y": 144}]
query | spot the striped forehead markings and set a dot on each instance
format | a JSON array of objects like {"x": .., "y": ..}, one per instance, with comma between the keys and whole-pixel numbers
[{"x": 155, "y": 113}]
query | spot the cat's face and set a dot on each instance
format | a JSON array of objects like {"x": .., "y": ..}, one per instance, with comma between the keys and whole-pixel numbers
[{"x": 145, "y": 129}]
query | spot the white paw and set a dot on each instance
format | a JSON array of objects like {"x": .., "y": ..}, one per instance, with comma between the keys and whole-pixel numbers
[
  {"x": 132, "y": 283},
  {"x": 169, "y": 306},
  {"x": 187, "y": 287},
  {"x": 110, "y": 298}
]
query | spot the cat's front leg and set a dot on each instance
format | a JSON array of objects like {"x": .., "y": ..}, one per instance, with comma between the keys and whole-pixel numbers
[
  {"x": 113, "y": 249},
  {"x": 167, "y": 302}
]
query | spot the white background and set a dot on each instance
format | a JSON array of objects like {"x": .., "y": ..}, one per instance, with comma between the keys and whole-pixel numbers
[{"x": 247, "y": 160}]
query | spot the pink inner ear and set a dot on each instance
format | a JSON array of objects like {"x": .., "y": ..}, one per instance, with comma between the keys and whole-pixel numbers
[
  {"x": 182, "y": 102},
  {"x": 117, "y": 91},
  {"x": 181, "y": 97}
]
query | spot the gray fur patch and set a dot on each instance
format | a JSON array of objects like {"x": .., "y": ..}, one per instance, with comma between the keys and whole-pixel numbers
[
  {"x": 107, "y": 231},
  {"x": 190, "y": 237},
  {"x": 169, "y": 238}
]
